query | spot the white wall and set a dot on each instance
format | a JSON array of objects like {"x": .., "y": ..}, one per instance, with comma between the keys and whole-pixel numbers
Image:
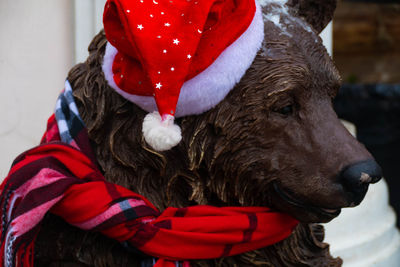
[
  {"x": 88, "y": 22},
  {"x": 36, "y": 52}
]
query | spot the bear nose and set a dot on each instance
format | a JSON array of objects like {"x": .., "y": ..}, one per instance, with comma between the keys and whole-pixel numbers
[{"x": 358, "y": 176}]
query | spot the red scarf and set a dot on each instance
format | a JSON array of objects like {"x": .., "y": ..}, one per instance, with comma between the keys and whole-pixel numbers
[{"x": 61, "y": 178}]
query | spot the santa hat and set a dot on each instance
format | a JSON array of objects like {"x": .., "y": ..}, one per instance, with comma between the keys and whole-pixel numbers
[{"x": 175, "y": 58}]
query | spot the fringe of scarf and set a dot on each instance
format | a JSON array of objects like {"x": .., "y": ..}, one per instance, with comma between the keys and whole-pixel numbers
[{"x": 60, "y": 176}]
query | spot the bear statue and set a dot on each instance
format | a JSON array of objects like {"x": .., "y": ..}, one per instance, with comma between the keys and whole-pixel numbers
[{"x": 273, "y": 140}]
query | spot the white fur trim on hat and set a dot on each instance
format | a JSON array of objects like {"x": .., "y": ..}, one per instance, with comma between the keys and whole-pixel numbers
[{"x": 207, "y": 89}]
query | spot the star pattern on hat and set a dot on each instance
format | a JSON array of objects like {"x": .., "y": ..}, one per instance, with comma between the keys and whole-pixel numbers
[
  {"x": 177, "y": 29},
  {"x": 166, "y": 43}
]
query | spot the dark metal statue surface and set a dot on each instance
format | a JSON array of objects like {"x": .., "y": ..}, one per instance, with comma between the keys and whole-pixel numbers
[{"x": 273, "y": 141}]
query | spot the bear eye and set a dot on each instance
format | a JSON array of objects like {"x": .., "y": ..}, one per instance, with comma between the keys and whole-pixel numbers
[{"x": 287, "y": 110}]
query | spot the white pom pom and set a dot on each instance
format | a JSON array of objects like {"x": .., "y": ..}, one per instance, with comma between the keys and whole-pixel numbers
[{"x": 161, "y": 135}]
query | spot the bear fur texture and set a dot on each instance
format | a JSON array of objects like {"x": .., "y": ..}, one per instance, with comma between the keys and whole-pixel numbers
[{"x": 273, "y": 141}]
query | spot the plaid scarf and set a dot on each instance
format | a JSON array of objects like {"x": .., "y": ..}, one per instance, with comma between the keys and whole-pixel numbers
[{"x": 60, "y": 176}]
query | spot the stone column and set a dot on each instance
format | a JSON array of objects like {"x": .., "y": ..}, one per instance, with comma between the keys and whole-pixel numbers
[
  {"x": 366, "y": 236},
  {"x": 35, "y": 56}
]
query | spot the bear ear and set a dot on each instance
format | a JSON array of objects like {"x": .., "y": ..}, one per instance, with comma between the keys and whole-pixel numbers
[{"x": 318, "y": 13}]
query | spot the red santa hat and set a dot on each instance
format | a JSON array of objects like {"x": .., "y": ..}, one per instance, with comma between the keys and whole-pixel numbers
[{"x": 175, "y": 58}]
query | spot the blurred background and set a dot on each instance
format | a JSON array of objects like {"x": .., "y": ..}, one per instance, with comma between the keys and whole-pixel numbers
[
  {"x": 366, "y": 50},
  {"x": 43, "y": 39}
]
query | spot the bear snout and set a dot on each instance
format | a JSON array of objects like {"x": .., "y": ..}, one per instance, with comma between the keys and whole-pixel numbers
[{"x": 356, "y": 178}]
